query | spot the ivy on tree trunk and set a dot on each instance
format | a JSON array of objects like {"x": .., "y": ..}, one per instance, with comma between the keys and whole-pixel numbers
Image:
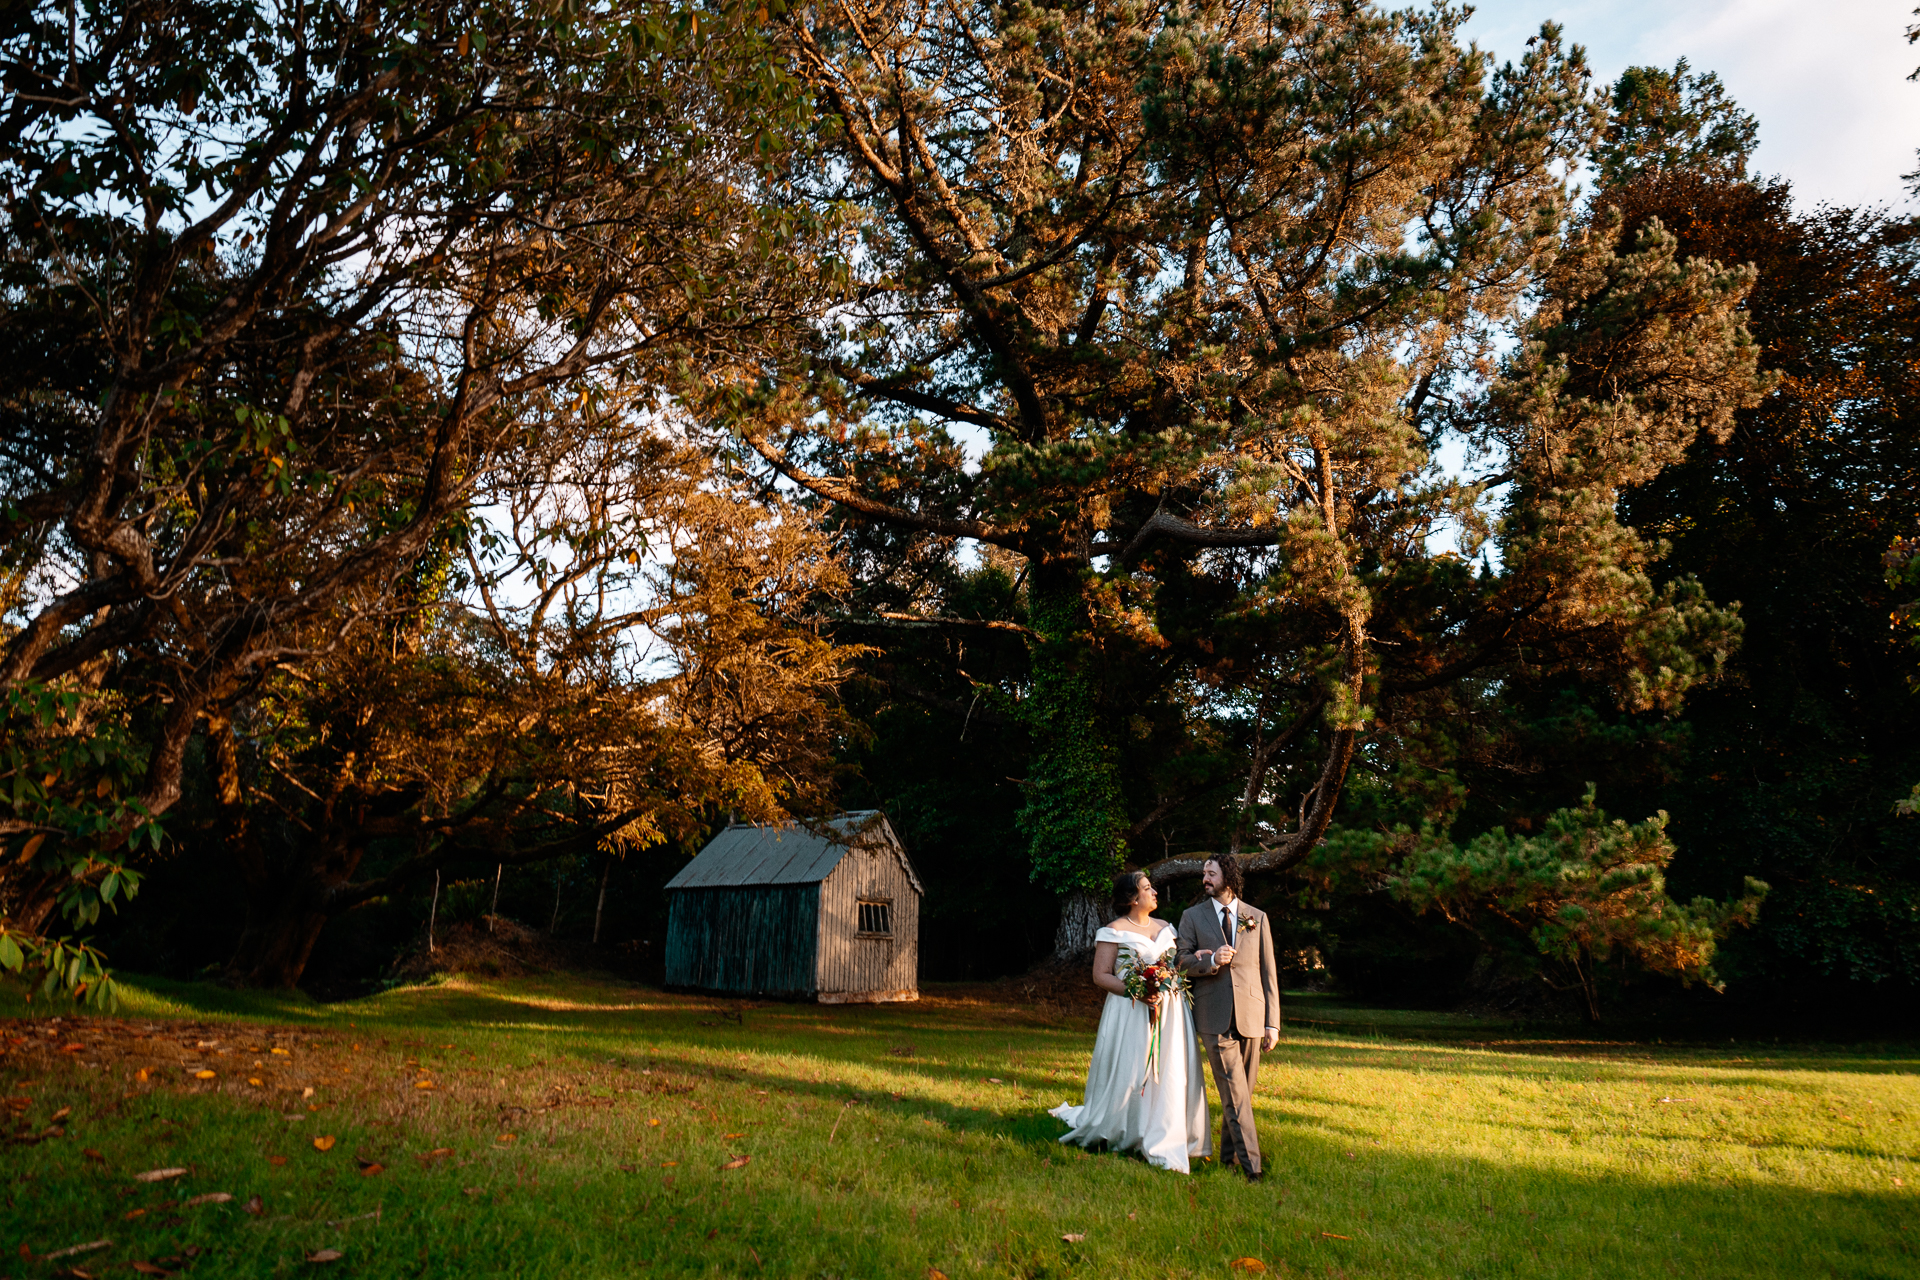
[{"x": 1075, "y": 816}]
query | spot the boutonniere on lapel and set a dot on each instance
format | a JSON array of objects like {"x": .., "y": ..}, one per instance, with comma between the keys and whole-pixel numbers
[{"x": 1246, "y": 922}]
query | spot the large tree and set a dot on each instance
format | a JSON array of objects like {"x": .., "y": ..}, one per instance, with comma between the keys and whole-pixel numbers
[
  {"x": 1795, "y": 762},
  {"x": 283, "y": 284},
  {"x": 623, "y": 658},
  {"x": 1177, "y": 307}
]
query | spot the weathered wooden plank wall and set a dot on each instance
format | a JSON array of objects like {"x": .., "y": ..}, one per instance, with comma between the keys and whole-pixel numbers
[
  {"x": 854, "y": 965},
  {"x": 753, "y": 940}
]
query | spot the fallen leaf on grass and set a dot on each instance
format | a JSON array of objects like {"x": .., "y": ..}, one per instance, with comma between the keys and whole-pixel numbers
[
  {"x": 307, "y": 1092},
  {"x": 738, "y": 1162},
  {"x": 438, "y": 1153},
  {"x": 71, "y": 1048},
  {"x": 254, "y": 1081},
  {"x": 1074, "y": 1237},
  {"x": 276, "y": 1161},
  {"x": 281, "y": 1051},
  {"x": 995, "y": 1080},
  {"x": 254, "y": 1207},
  {"x": 505, "y": 1137},
  {"x": 60, "y": 1115},
  {"x": 148, "y": 1269},
  {"x": 141, "y": 1074},
  {"x": 470, "y": 1191},
  {"x": 131, "y": 1214},
  {"x": 654, "y": 1123},
  {"x": 733, "y": 1135},
  {"x": 204, "y": 1075},
  {"x": 935, "y": 1273},
  {"x": 74, "y": 1272},
  {"x": 212, "y": 1197},
  {"x": 1328, "y": 1235},
  {"x": 158, "y": 1175},
  {"x": 371, "y": 1168},
  {"x": 1251, "y": 1266},
  {"x": 423, "y": 1084},
  {"x": 326, "y": 1255},
  {"x": 93, "y": 1155},
  {"x": 70, "y": 1250},
  {"x": 668, "y": 1164},
  {"x": 323, "y": 1143}
]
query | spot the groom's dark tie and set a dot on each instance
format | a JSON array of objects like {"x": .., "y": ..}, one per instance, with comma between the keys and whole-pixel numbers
[{"x": 1226, "y": 926}]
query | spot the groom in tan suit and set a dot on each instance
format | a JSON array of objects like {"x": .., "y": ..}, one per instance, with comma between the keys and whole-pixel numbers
[{"x": 1227, "y": 950}]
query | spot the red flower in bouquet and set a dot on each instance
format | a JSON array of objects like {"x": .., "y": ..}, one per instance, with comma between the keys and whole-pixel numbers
[{"x": 1152, "y": 984}]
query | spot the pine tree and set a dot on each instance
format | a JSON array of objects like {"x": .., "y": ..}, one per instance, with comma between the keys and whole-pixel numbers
[{"x": 1206, "y": 290}]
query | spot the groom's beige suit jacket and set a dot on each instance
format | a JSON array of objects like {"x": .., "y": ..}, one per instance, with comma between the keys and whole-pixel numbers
[{"x": 1244, "y": 997}]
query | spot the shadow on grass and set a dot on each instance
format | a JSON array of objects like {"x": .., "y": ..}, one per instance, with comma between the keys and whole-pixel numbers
[{"x": 910, "y": 1160}]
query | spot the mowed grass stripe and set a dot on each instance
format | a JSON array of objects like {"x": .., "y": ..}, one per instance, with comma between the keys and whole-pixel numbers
[{"x": 887, "y": 1140}]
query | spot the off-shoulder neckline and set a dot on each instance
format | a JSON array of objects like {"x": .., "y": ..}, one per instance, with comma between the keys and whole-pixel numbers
[{"x": 1164, "y": 929}]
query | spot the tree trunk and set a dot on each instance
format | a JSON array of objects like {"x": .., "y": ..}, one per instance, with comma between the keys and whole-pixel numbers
[
  {"x": 286, "y": 900},
  {"x": 1081, "y": 915},
  {"x": 1075, "y": 817},
  {"x": 1589, "y": 989},
  {"x": 288, "y": 906},
  {"x": 606, "y": 869},
  {"x": 275, "y": 946},
  {"x": 34, "y": 906}
]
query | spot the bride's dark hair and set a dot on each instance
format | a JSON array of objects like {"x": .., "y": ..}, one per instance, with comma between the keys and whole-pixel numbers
[{"x": 1126, "y": 888}]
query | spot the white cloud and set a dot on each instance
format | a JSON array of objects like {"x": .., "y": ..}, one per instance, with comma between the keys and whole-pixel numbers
[{"x": 1838, "y": 117}]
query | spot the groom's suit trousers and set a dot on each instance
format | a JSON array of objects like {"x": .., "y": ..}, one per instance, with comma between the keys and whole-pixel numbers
[{"x": 1236, "y": 1070}]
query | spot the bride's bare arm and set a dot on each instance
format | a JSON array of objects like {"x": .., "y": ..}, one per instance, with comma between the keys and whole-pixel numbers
[{"x": 1104, "y": 955}]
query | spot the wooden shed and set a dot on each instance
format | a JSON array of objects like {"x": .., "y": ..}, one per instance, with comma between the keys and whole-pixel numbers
[{"x": 828, "y": 911}]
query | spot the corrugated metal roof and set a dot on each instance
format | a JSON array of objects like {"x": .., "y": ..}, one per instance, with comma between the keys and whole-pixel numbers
[{"x": 786, "y": 853}]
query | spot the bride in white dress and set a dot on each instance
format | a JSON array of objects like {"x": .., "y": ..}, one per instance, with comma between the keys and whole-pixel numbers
[{"x": 1126, "y": 1108}]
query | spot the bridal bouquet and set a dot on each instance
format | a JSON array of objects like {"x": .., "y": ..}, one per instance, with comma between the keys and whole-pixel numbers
[{"x": 1152, "y": 984}]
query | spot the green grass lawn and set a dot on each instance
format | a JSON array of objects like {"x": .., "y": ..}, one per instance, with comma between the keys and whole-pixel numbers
[{"x": 591, "y": 1128}]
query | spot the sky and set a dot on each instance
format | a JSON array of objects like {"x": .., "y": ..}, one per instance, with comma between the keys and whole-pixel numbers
[{"x": 1827, "y": 78}]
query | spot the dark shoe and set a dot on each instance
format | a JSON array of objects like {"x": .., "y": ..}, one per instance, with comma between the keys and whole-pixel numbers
[{"x": 1255, "y": 1175}]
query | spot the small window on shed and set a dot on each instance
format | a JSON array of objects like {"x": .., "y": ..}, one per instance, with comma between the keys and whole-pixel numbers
[{"x": 876, "y": 918}]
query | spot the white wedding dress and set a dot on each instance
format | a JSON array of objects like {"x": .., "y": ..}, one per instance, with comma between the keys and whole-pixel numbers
[{"x": 1125, "y": 1109}]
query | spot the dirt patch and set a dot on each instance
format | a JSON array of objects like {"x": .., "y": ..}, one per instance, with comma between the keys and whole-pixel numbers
[
  {"x": 305, "y": 1077},
  {"x": 283, "y": 1067},
  {"x": 1060, "y": 989},
  {"x": 492, "y": 947}
]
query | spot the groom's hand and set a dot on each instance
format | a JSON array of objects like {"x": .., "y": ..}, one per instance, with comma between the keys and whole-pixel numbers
[
  {"x": 1223, "y": 957},
  {"x": 1271, "y": 1039}
]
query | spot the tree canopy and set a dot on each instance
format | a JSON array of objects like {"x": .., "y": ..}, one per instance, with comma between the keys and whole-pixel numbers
[{"x": 1178, "y": 308}]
